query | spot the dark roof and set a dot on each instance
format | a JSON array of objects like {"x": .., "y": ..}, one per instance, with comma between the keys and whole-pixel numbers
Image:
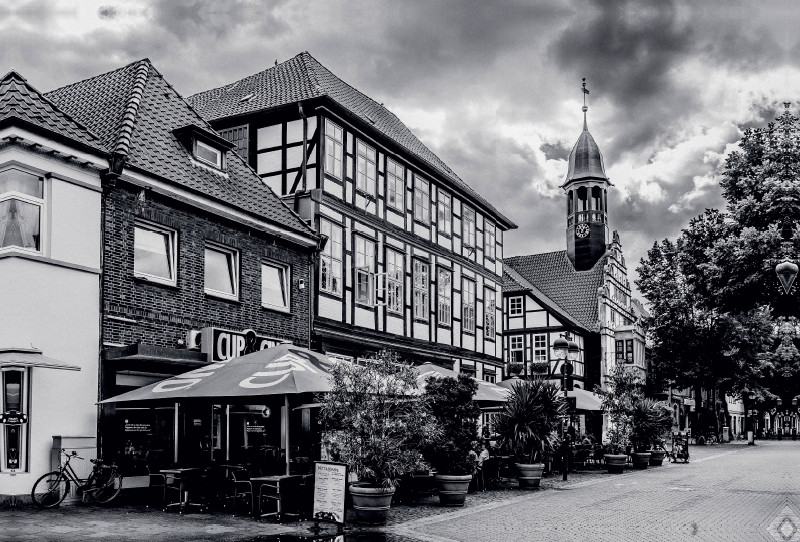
[
  {"x": 574, "y": 292},
  {"x": 585, "y": 160},
  {"x": 19, "y": 100},
  {"x": 135, "y": 111},
  {"x": 304, "y": 78}
]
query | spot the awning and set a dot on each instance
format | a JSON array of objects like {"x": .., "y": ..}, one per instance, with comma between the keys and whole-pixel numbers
[
  {"x": 31, "y": 357},
  {"x": 585, "y": 400},
  {"x": 486, "y": 390}
]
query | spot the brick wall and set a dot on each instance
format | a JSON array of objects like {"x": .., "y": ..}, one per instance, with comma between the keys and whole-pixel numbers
[{"x": 159, "y": 315}]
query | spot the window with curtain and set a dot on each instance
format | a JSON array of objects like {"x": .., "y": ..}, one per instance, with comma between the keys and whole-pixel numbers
[
  {"x": 154, "y": 252},
  {"x": 365, "y": 270},
  {"x": 490, "y": 310},
  {"x": 468, "y": 305},
  {"x": 395, "y": 185},
  {"x": 21, "y": 202},
  {"x": 394, "y": 282},
  {"x": 489, "y": 239},
  {"x": 330, "y": 276},
  {"x": 221, "y": 271},
  {"x": 421, "y": 270},
  {"x": 275, "y": 286},
  {"x": 445, "y": 291},
  {"x": 422, "y": 200}
]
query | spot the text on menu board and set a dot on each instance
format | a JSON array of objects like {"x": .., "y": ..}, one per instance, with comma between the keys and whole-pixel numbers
[{"x": 330, "y": 484}]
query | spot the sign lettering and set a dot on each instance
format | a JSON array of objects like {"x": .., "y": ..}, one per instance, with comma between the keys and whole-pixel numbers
[
  {"x": 224, "y": 345},
  {"x": 330, "y": 483}
]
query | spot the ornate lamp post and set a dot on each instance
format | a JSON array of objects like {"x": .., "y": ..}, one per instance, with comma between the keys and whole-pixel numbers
[
  {"x": 787, "y": 272},
  {"x": 561, "y": 352}
]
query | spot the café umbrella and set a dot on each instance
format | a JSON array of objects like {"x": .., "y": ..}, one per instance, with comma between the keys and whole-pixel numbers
[
  {"x": 281, "y": 370},
  {"x": 487, "y": 392}
]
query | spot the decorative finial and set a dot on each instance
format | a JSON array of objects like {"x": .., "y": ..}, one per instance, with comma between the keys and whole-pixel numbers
[
  {"x": 787, "y": 104},
  {"x": 584, "y": 108}
]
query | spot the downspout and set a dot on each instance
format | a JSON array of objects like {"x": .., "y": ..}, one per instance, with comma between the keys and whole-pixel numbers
[
  {"x": 312, "y": 299},
  {"x": 305, "y": 144}
]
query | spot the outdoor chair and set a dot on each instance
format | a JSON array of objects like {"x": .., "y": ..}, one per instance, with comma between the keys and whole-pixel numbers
[
  {"x": 241, "y": 489},
  {"x": 286, "y": 494}
]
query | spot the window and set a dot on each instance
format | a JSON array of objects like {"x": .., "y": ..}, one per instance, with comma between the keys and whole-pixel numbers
[
  {"x": 445, "y": 213},
  {"x": 468, "y": 227},
  {"x": 365, "y": 270},
  {"x": 629, "y": 351},
  {"x": 330, "y": 276},
  {"x": 489, "y": 377},
  {"x": 395, "y": 185},
  {"x": 422, "y": 200},
  {"x": 445, "y": 288},
  {"x": 21, "y": 201},
  {"x": 540, "y": 347},
  {"x": 365, "y": 173},
  {"x": 468, "y": 305},
  {"x": 620, "y": 352},
  {"x": 490, "y": 306},
  {"x": 208, "y": 154},
  {"x": 394, "y": 282},
  {"x": 333, "y": 149},
  {"x": 275, "y": 286},
  {"x": 489, "y": 239},
  {"x": 516, "y": 350},
  {"x": 154, "y": 253},
  {"x": 515, "y": 306},
  {"x": 421, "y": 270},
  {"x": 222, "y": 271}
]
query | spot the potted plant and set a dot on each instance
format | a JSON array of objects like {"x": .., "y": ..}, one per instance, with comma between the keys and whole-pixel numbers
[
  {"x": 653, "y": 419},
  {"x": 376, "y": 421},
  {"x": 452, "y": 454},
  {"x": 528, "y": 426},
  {"x": 624, "y": 388}
]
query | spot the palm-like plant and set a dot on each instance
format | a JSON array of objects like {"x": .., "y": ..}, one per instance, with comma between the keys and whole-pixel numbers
[
  {"x": 649, "y": 420},
  {"x": 528, "y": 424}
]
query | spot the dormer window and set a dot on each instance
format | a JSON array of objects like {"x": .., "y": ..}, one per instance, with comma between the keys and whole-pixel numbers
[{"x": 208, "y": 154}]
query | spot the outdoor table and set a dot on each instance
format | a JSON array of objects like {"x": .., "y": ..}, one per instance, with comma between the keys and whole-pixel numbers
[
  {"x": 273, "y": 480},
  {"x": 182, "y": 476}
]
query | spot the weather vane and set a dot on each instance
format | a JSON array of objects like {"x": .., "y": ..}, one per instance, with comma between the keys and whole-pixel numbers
[{"x": 585, "y": 92}]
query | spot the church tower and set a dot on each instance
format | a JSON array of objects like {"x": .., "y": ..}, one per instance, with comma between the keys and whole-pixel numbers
[{"x": 586, "y": 188}]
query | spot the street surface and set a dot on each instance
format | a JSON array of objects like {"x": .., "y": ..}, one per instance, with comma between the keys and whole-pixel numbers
[{"x": 728, "y": 492}]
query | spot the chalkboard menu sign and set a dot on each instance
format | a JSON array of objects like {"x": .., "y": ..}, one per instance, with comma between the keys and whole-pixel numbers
[{"x": 330, "y": 484}]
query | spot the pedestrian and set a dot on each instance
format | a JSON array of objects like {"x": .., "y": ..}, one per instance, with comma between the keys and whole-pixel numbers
[{"x": 484, "y": 455}]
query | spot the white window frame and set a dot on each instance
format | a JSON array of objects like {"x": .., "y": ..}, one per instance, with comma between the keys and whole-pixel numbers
[
  {"x": 514, "y": 310},
  {"x": 173, "y": 255},
  {"x": 287, "y": 277},
  {"x": 516, "y": 343},
  {"x": 365, "y": 157},
  {"x": 540, "y": 347},
  {"x": 468, "y": 305},
  {"x": 468, "y": 227},
  {"x": 334, "y": 149},
  {"x": 422, "y": 200},
  {"x": 490, "y": 313},
  {"x": 234, "y": 263},
  {"x": 364, "y": 273},
  {"x": 444, "y": 207},
  {"x": 395, "y": 185},
  {"x": 421, "y": 277},
  {"x": 334, "y": 261},
  {"x": 395, "y": 277},
  {"x": 32, "y": 200},
  {"x": 205, "y": 146},
  {"x": 489, "y": 239},
  {"x": 445, "y": 301}
]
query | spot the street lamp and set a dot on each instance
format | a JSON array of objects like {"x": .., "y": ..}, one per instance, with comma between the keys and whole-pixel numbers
[
  {"x": 787, "y": 272},
  {"x": 750, "y": 422},
  {"x": 561, "y": 351}
]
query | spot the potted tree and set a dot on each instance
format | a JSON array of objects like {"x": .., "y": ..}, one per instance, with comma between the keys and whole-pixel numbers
[
  {"x": 528, "y": 426},
  {"x": 376, "y": 421},
  {"x": 451, "y": 454},
  {"x": 656, "y": 418},
  {"x": 624, "y": 387}
]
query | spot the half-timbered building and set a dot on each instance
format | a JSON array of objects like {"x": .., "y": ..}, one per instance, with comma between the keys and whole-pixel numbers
[{"x": 413, "y": 260}]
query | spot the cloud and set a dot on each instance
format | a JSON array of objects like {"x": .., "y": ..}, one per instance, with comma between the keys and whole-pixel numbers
[{"x": 107, "y": 12}]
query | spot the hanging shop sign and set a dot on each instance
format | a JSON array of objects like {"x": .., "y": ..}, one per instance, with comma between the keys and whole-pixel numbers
[
  {"x": 330, "y": 484},
  {"x": 224, "y": 344},
  {"x": 13, "y": 417}
]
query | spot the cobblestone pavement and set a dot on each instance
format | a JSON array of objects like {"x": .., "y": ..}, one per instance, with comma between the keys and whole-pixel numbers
[{"x": 729, "y": 492}]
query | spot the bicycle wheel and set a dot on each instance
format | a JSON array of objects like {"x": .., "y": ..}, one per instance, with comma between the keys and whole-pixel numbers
[
  {"x": 50, "y": 490},
  {"x": 107, "y": 486}
]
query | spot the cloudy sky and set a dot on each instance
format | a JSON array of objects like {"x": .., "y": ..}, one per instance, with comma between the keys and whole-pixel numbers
[{"x": 493, "y": 87}]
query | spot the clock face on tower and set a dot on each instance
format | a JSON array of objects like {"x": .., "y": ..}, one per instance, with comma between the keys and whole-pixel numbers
[{"x": 582, "y": 230}]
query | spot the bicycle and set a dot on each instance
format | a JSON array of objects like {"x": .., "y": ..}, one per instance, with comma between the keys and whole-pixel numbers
[{"x": 102, "y": 486}]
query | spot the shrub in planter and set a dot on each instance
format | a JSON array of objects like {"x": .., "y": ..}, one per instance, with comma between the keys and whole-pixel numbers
[
  {"x": 528, "y": 426},
  {"x": 376, "y": 422},
  {"x": 515, "y": 368},
  {"x": 452, "y": 455}
]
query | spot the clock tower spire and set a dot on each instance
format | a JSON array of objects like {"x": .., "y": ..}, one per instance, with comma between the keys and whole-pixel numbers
[{"x": 586, "y": 188}]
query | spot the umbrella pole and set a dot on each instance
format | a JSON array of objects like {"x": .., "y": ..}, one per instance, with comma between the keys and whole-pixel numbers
[{"x": 286, "y": 425}]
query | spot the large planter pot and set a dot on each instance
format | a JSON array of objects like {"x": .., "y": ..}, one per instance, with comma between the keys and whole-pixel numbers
[
  {"x": 371, "y": 503},
  {"x": 529, "y": 474},
  {"x": 657, "y": 457},
  {"x": 615, "y": 463},
  {"x": 640, "y": 460},
  {"x": 452, "y": 488}
]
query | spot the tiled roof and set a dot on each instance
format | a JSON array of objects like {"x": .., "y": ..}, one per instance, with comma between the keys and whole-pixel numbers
[
  {"x": 304, "y": 78},
  {"x": 20, "y": 100},
  {"x": 575, "y": 292},
  {"x": 135, "y": 111},
  {"x": 518, "y": 284}
]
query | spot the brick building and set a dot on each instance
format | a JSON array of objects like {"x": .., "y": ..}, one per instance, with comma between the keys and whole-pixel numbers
[
  {"x": 414, "y": 256},
  {"x": 201, "y": 261}
]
